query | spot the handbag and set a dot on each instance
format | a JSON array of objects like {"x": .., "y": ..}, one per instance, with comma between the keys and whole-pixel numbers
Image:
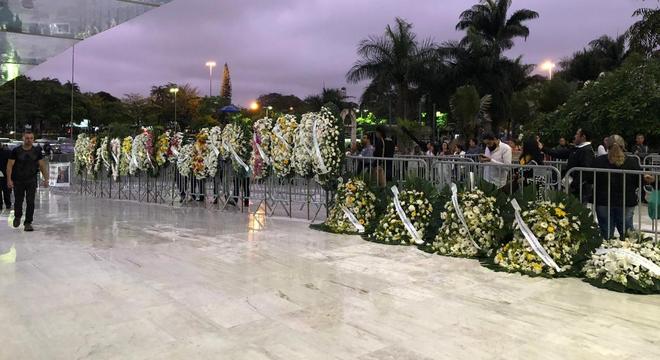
[{"x": 653, "y": 198}]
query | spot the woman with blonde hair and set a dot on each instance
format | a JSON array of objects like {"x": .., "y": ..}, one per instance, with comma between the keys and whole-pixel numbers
[{"x": 616, "y": 193}]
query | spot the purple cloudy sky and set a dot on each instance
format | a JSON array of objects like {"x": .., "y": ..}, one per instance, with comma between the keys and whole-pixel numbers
[{"x": 295, "y": 46}]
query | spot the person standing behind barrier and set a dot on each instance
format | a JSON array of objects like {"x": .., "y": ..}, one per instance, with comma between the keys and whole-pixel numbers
[
  {"x": 473, "y": 147},
  {"x": 384, "y": 148},
  {"x": 582, "y": 155},
  {"x": 5, "y": 191},
  {"x": 430, "y": 149},
  {"x": 497, "y": 152},
  {"x": 602, "y": 148},
  {"x": 640, "y": 149},
  {"x": 615, "y": 203},
  {"x": 22, "y": 168}
]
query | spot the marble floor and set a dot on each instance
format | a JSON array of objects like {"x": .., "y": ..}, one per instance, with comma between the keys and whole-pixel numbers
[{"x": 120, "y": 280}]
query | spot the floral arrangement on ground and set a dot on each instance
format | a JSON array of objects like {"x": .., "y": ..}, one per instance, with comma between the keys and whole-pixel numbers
[
  {"x": 628, "y": 265},
  {"x": 204, "y": 161},
  {"x": 565, "y": 235},
  {"x": 282, "y": 141},
  {"x": 184, "y": 162},
  {"x": 102, "y": 156},
  {"x": 236, "y": 146},
  {"x": 353, "y": 209},
  {"x": 260, "y": 159},
  {"x": 302, "y": 150},
  {"x": 85, "y": 154},
  {"x": 472, "y": 230},
  {"x": 327, "y": 148},
  {"x": 409, "y": 217},
  {"x": 142, "y": 153},
  {"x": 162, "y": 148},
  {"x": 126, "y": 153}
]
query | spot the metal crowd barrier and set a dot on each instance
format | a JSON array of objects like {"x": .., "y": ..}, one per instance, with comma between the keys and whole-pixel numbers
[
  {"x": 305, "y": 198},
  {"x": 290, "y": 197},
  {"x": 593, "y": 182},
  {"x": 652, "y": 159},
  {"x": 385, "y": 170}
]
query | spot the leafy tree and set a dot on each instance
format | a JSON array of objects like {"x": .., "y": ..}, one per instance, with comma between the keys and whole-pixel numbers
[
  {"x": 394, "y": 61},
  {"x": 488, "y": 21},
  {"x": 225, "y": 91},
  {"x": 552, "y": 94},
  {"x": 582, "y": 66},
  {"x": 468, "y": 110},
  {"x": 603, "y": 54},
  {"x": 611, "y": 52},
  {"x": 281, "y": 103},
  {"x": 643, "y": 35},
  {"x": 625, "y": 102},
  {"x": 337, "y": 97},
  {"x": 187, "y": 104}
]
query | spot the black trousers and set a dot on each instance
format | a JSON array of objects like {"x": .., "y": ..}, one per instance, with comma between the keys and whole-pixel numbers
[
  {"x": 5, "y": 196},
  {"x": 27, "y": 191}
]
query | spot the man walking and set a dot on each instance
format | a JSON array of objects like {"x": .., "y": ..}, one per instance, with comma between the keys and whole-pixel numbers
[
  {"x": 24, "y": 163},
  {"x": 5, "y": 191}
]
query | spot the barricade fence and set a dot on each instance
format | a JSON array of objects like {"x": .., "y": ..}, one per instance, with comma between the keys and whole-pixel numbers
[
  {"x": 621, "y": 200},
  {"x": 291, "y": 197},
  {"x": 304, "y": 198}
]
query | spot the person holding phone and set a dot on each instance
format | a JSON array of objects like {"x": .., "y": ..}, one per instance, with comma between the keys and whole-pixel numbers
[
  {"x": 23, "y": 166},
  {"x": 497, "y": 152}
]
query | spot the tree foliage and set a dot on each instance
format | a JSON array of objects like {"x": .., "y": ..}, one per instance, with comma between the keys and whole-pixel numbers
[
  {"x": 226, "y": 91},
  {"x": 625, "y": 102}
]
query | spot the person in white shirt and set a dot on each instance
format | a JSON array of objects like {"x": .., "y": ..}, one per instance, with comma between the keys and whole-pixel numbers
[
  {"x": 602, "y": 148},
  {"x": 497, "y": 152}
]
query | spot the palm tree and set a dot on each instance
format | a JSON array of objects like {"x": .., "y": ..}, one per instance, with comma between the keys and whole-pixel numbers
[
  {"x": 643, "y": 35},
  {"x": 488, "y": 20},
  {"x": 394, "y": 60},
  {"x": 611, "y": 51}
]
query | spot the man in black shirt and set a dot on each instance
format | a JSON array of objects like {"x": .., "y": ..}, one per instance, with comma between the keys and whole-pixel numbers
[
  {"x": 22, "y": 168},
  {"x": 5, "y": 191},
  {"x": 581, "y": 155}
]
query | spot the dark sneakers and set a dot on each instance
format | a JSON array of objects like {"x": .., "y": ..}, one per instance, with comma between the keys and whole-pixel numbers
[
  {"x": 17, "y": 222},
  {"x": 28, "y": 227}
]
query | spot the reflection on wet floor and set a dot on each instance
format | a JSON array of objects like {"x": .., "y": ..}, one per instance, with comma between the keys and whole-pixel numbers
[{"x": 113, "y": 279}]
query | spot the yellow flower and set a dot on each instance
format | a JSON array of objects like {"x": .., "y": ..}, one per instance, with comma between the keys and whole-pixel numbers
[
  {"x": 560, "y": 212},
  {"x": 537, "y": 268},
  {"x": 551, "y": 229}
]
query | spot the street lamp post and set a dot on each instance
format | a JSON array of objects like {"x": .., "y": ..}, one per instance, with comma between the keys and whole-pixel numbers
[
  {"x": 548, "y": 66},
  {"x": 174, "y": 91},
  {"x": 269, "y": 108},
  {"x": 211, "y": 65}
]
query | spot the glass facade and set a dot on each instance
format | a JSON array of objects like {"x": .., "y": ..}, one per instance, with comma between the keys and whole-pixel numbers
[{"x": 31, "y": 31}]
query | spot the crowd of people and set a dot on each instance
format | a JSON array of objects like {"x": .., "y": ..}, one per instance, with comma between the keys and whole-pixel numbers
[{"x": 614, "y": 194}]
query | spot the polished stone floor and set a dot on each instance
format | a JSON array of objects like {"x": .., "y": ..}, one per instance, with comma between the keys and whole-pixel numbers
[{"x": 121, "y": 280}]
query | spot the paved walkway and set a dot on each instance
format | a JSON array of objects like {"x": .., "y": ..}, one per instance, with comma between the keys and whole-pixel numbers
[{"x": 102, "y": 279}]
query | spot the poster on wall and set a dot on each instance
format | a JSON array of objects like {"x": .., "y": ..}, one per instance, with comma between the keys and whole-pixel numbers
[{"x": 59, "y": 174}]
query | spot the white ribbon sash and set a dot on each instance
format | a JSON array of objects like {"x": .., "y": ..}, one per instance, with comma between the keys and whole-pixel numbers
[
  {"x": 351, "y": 217},
  {"x": 404, "y": 218},
  {"x": 214, "y": 149},
  {"x": 317, "y": 149},
  {"x": 531, "y": 238},
  {"x": 238, "y": 159},
  {"x": 634, "y": 258},
  {"x": 103, "y": 158},
  {"x": 278, "y": 133},
  {"x": 262, "y": 153},
  {"x": 459, "y": 213}
]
